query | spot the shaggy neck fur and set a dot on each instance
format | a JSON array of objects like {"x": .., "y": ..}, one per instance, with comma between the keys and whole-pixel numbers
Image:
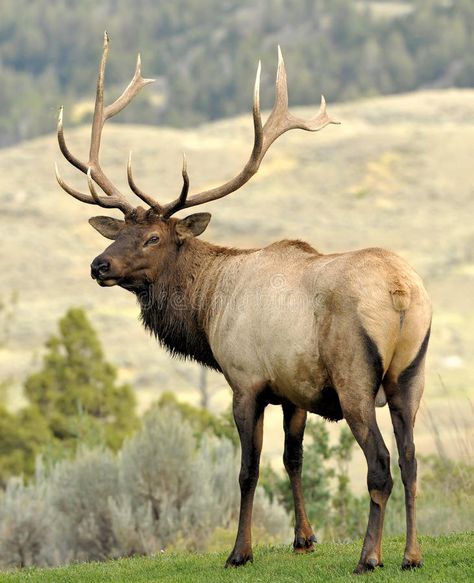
[{"x": 177, "y": 306}]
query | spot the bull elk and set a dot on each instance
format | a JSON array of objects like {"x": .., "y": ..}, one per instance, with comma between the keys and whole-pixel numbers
[{"x": 284, "y": 324}]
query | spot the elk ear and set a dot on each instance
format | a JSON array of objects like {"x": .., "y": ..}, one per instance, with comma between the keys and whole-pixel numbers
[
  {"x": 107, "y": 226},
  {"x": 192, "y": 226}
]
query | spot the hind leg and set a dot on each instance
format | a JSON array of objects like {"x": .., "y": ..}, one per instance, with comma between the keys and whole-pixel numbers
[
  {"x": 356, "y": 376},
  {"x": 403, "y": 395},
  {"x": 361, "y": 419},
  {"x": 403, "y": 408},
  {"x": 294, "y": 422},
  {"x": 403, "y": 426}
]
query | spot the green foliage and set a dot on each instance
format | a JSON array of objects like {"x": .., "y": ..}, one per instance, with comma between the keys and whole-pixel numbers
[
  {"x": 7, "y": 316},
  {"x": 76, "y": 391},
  {"x": 204, "y": 54},
  {"x": 331, "y": 506},
  {"x": 446, "y": 495},
  {"x": 201, "y": 420},
  {"x": 22, "y": 437},
  {"x": 316, "y": 475},
  {"x": 73, "y": 400},
  {"x": 444, "y": 502},
  {"x": 165, "y": 490},
  {"x": 348, "y": 516}
]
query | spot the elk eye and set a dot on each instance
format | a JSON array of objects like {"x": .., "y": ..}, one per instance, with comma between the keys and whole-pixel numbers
[{"x": 152, "y": 240}]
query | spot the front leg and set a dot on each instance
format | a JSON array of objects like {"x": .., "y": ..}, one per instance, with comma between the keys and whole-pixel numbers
[
  {"x": 294, "y": 423},
  {"x": 248, "y": 414}
]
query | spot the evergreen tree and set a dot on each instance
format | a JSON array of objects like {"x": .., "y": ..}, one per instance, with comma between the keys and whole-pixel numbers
[{"x": 76, "y": 391}]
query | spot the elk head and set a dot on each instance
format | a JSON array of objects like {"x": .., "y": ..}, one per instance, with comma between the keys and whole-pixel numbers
[
  {"x": 144, "y": 245},
  {"x": 148, "y": 239}
]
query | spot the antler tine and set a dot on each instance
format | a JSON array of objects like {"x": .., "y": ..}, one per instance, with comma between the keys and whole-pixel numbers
[
  {"x": 63, "y": 146},
  {"x": 136, "y": 84},
  {"x": 133, "y": 185},
  {"x": 257, "y": 117},
  {"x": 314, "y": 124},
  {"x": 281, "y": 85},
  {"x": 98, "y": 118},
  {"x": 75, "y": 193},
  {"x": 93, "y": 191},
  {"x": 279, "y": 121},
  {"x": 110, "y": 202},
  {"x": 180, "y": 202},
  {"x": 185, "y": 188}
]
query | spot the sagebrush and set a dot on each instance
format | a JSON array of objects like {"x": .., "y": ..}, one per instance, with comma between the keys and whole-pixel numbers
[{"x": 163, "y": 490}]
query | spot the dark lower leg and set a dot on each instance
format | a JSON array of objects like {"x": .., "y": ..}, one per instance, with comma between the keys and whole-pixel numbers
[
  {"x": 403, "y": 428},
  {"x": 294, "y": 421},
  {"x": 379, "y": 483},
  {"x": 248, "y": 415}
]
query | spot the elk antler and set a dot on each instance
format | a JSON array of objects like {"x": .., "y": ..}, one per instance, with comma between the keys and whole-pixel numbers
[
  {"x": 279, "y": 122},
  {"x": 92, "y": 168}
]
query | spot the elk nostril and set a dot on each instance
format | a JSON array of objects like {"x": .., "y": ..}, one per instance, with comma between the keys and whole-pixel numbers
[
  {"x": 99, "y": 267},
  {"x": 103, "y": 267}
]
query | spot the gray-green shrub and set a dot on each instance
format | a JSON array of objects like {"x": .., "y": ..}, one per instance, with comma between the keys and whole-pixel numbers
[
  {"x": 27, "y": 526},
  {"x": 165, "y": 489}
]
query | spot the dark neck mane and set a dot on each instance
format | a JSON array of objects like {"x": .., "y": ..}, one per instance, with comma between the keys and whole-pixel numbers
[{"x": 175, "y": 308}]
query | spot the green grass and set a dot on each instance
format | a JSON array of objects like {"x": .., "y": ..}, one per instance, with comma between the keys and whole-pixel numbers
[{"x": 448, "y": 559}]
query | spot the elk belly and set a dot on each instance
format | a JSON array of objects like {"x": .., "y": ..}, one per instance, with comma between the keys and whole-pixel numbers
[
  {"x": 327, "y": 404},
  {"x": 304, "y": 381}
]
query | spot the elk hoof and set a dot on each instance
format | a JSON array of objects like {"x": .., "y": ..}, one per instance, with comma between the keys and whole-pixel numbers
[
  {"x": 304, "y": 544},
  {"x": 237, "y": 559},
  {"x": 411, "y": 564},
  {"x": 367, "y": 566}
]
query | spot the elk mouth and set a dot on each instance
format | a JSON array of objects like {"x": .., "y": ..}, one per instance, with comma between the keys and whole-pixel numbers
[
  {"x": 105, "y": 279},
  {"x": 109, "y": 282}
]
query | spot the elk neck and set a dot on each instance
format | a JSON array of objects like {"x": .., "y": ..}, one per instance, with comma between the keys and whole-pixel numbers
[{"x": 177, "y": 306}]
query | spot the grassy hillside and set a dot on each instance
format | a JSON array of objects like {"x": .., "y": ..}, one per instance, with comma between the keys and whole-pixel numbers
[
  {"x": 447, "y": 558},
  {"x": 397, "y": 173}
]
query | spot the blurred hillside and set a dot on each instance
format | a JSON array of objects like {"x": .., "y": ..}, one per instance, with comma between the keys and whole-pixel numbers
[
  {"x": 397, "y": 173},
  {"x": 204, "y": 54}
]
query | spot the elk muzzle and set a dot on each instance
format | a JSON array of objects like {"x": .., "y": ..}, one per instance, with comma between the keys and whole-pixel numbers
[{"x": 102, "y": 272}]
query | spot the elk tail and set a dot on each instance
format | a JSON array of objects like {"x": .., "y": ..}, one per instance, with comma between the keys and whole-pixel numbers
[{"x": 401, "y": 296}]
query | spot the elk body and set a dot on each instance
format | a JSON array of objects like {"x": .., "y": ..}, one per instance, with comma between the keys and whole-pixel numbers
[{"x": 284, "y": 324}]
